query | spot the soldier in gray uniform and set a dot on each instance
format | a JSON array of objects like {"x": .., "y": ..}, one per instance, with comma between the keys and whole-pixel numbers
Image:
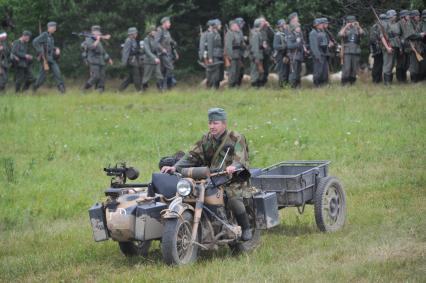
[
  {"x": 4, "y": 60},
  {"x": 97, "y": 58},
  {"x": 234, "y": 43},
  {"x": 44, "y": 45},
  {"x": 152, "y": 59},
  {"x": 295, "y": 53},
  {"x": 413, "y": 36},
  {"x": 256, "y": 55},
  {"x": 267, "y": 36},
  {"x": 403, "y": 60},
  {"x": 22, "y": 62},
  {"x": 131, "y": 58},
  {"x": 202, "y": 47},
  {"x": 214, "y": 68},
  {"x": 351, "y": 34},
  {"x": 280, "y": 52},
  {"x": 244, "y": 49},
  {"x": 318, "y": 43},
  {"x": 168, "y": 52},
  {"x": 392, "y": 48},
  {"x": 376, "y": 51}
]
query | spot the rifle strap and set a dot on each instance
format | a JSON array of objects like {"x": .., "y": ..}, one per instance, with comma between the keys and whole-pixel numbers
[{"x": 219, "y": 149}]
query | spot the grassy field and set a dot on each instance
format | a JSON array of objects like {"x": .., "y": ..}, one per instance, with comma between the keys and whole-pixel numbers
[{"x": 53, "y": 149}]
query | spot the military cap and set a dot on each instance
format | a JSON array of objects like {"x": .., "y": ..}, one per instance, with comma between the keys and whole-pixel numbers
[
  {"x": 383, "y": 16},
  {"x": 27, "y": 33},
  {"x": 350, "y": 19},
  {"x": 51, "y": 24},
  {"x": 404, "y": 13},
  {"x": 424, "y": 13},
  {"x": 414, "y": 13},
  {"x": 292, "y": 15},
  {"x": 217, "y": 22},
  {"x": 257, "y": 23},
  {"x": 391, "y": 13},
  {"x": 210, "y": 23},
  {"x": 231, "y": 22},
  {"x": 324, "y": 20},
  {"x": 132, "y": 30},
  {"x": 317, "y": 21},
  {"x": 281, "y": 22},
  {"x": 165, "y": 19},
  {"x": 239, "y": 21},
  {"x": 95, "y": 28},
  {"x": 217, "y": 114}
]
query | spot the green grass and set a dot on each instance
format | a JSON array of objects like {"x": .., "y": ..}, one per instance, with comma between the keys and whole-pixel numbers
[{"x": 53, "y": 149}]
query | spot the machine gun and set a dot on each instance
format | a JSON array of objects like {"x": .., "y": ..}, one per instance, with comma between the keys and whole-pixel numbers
[{"x": 120, "y": 173}]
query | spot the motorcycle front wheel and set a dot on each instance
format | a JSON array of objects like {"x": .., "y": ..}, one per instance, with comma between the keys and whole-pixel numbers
[{"x": 176, "y": 244}]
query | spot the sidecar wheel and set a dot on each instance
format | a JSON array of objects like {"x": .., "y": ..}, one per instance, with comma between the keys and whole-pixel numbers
[
  {"x": 176, "y": 244},
  {"x": 330, "y": 205},
  {"x": 135, "y": 248}
]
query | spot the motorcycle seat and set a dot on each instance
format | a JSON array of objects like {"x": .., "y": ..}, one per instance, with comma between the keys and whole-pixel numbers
[{"x": 164, "y": 184}]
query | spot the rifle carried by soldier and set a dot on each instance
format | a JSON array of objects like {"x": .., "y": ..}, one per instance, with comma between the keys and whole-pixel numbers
[
  {"x": 43, "y": 53},
  {"x": 381, "y": 27}
]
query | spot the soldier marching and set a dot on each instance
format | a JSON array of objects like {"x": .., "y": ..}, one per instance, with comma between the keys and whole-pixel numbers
[{"x": 396, "y": 41}]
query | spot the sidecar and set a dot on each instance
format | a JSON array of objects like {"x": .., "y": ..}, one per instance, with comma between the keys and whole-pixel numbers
[
  {"x": 297, "y": 183},
  {"x": 131, "y": 214}
]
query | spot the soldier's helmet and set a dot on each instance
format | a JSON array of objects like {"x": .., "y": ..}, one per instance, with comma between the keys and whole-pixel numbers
[
  {"x": 292, "y": 15},
  {"x": 95, "y": 28},
  {"x": 257, "y": 23},
  {"x": 404, "y": 13},
  {"x": 350, "y": 19},
  {"x": 383, "y": 16},
  {"x": 414, "y": 13},
  {"x": 240, "y": 21},
  {"x": 391, "y": 13},
  {"x": 165, "y": 19},
  {"x": 281, "y": 23},
  {"x": 51, "y": 24},
  {"x": 317, "y": 22},
  {"x": 132, "y": 30},
  {"x": 424, "y": 13}
]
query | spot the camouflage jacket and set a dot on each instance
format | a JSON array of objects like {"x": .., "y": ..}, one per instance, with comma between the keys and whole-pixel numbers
[
  {"x": 203, "y": 152},
  {"x": 5, "y": 54},
  {"x": 375, "y": 42}
]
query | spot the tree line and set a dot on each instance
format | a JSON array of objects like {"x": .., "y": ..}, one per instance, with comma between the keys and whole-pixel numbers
[{"x": 187, "y": 16}]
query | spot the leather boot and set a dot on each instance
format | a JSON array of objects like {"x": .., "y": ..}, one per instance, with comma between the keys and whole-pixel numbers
[
  {"x": 243, "y": 221},
  {"x": 61, "y": 88}
]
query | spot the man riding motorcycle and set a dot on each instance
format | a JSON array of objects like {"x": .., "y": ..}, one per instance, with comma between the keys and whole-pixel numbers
[{"x": 221, "y": 148}]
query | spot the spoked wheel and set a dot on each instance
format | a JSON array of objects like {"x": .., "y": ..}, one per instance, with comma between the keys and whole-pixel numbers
[
  {"x": 135, "y": 248},
  {"x": 247, "y": 246},
  {"x": 176, "y": 244},
  {"x": 330, "y": 205}
]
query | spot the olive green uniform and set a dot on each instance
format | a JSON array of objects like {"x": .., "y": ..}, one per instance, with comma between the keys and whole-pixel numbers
[
  {"x": 351, "y": 54},
  {"x": 4, "y": 64},
  {"x": 257, "y": 68},
  {"x": 318, "y": 43},
  {"x": 131, "y": 58},
  {"x": 204, "y": 153},
  {"x": 393, "y": 31},
  {"x": 411, "y": 33},
  {"x": 214, "y": 72},
  {"x": 97, "y": 57},
  {"x": 45, "y": 44},
  {"x": 234, "y": 44},
  {"x": 166, "y": 42},
  {"x": 23, "y": 75},
  {"x": 152, "y": 51},
  {"x": 295, "y": 45}
]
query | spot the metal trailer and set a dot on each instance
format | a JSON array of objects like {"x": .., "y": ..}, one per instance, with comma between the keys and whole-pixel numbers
[{"x": 297, "y": 183}]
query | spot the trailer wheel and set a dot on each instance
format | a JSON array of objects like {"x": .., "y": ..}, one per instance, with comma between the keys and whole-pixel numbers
[
  {"x": 135, "y": 248},
  {"x": 330, "y": 205}
]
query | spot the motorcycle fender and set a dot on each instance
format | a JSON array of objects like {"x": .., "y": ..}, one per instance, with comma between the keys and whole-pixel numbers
[{"x": 176, "y": 209}]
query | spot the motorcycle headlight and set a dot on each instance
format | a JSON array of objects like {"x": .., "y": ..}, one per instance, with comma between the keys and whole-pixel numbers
[{"x": 184, "y": 187}]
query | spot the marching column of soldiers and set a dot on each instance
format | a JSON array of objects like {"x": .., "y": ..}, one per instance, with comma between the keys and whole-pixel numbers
[{"x": 397, "y": 42}]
